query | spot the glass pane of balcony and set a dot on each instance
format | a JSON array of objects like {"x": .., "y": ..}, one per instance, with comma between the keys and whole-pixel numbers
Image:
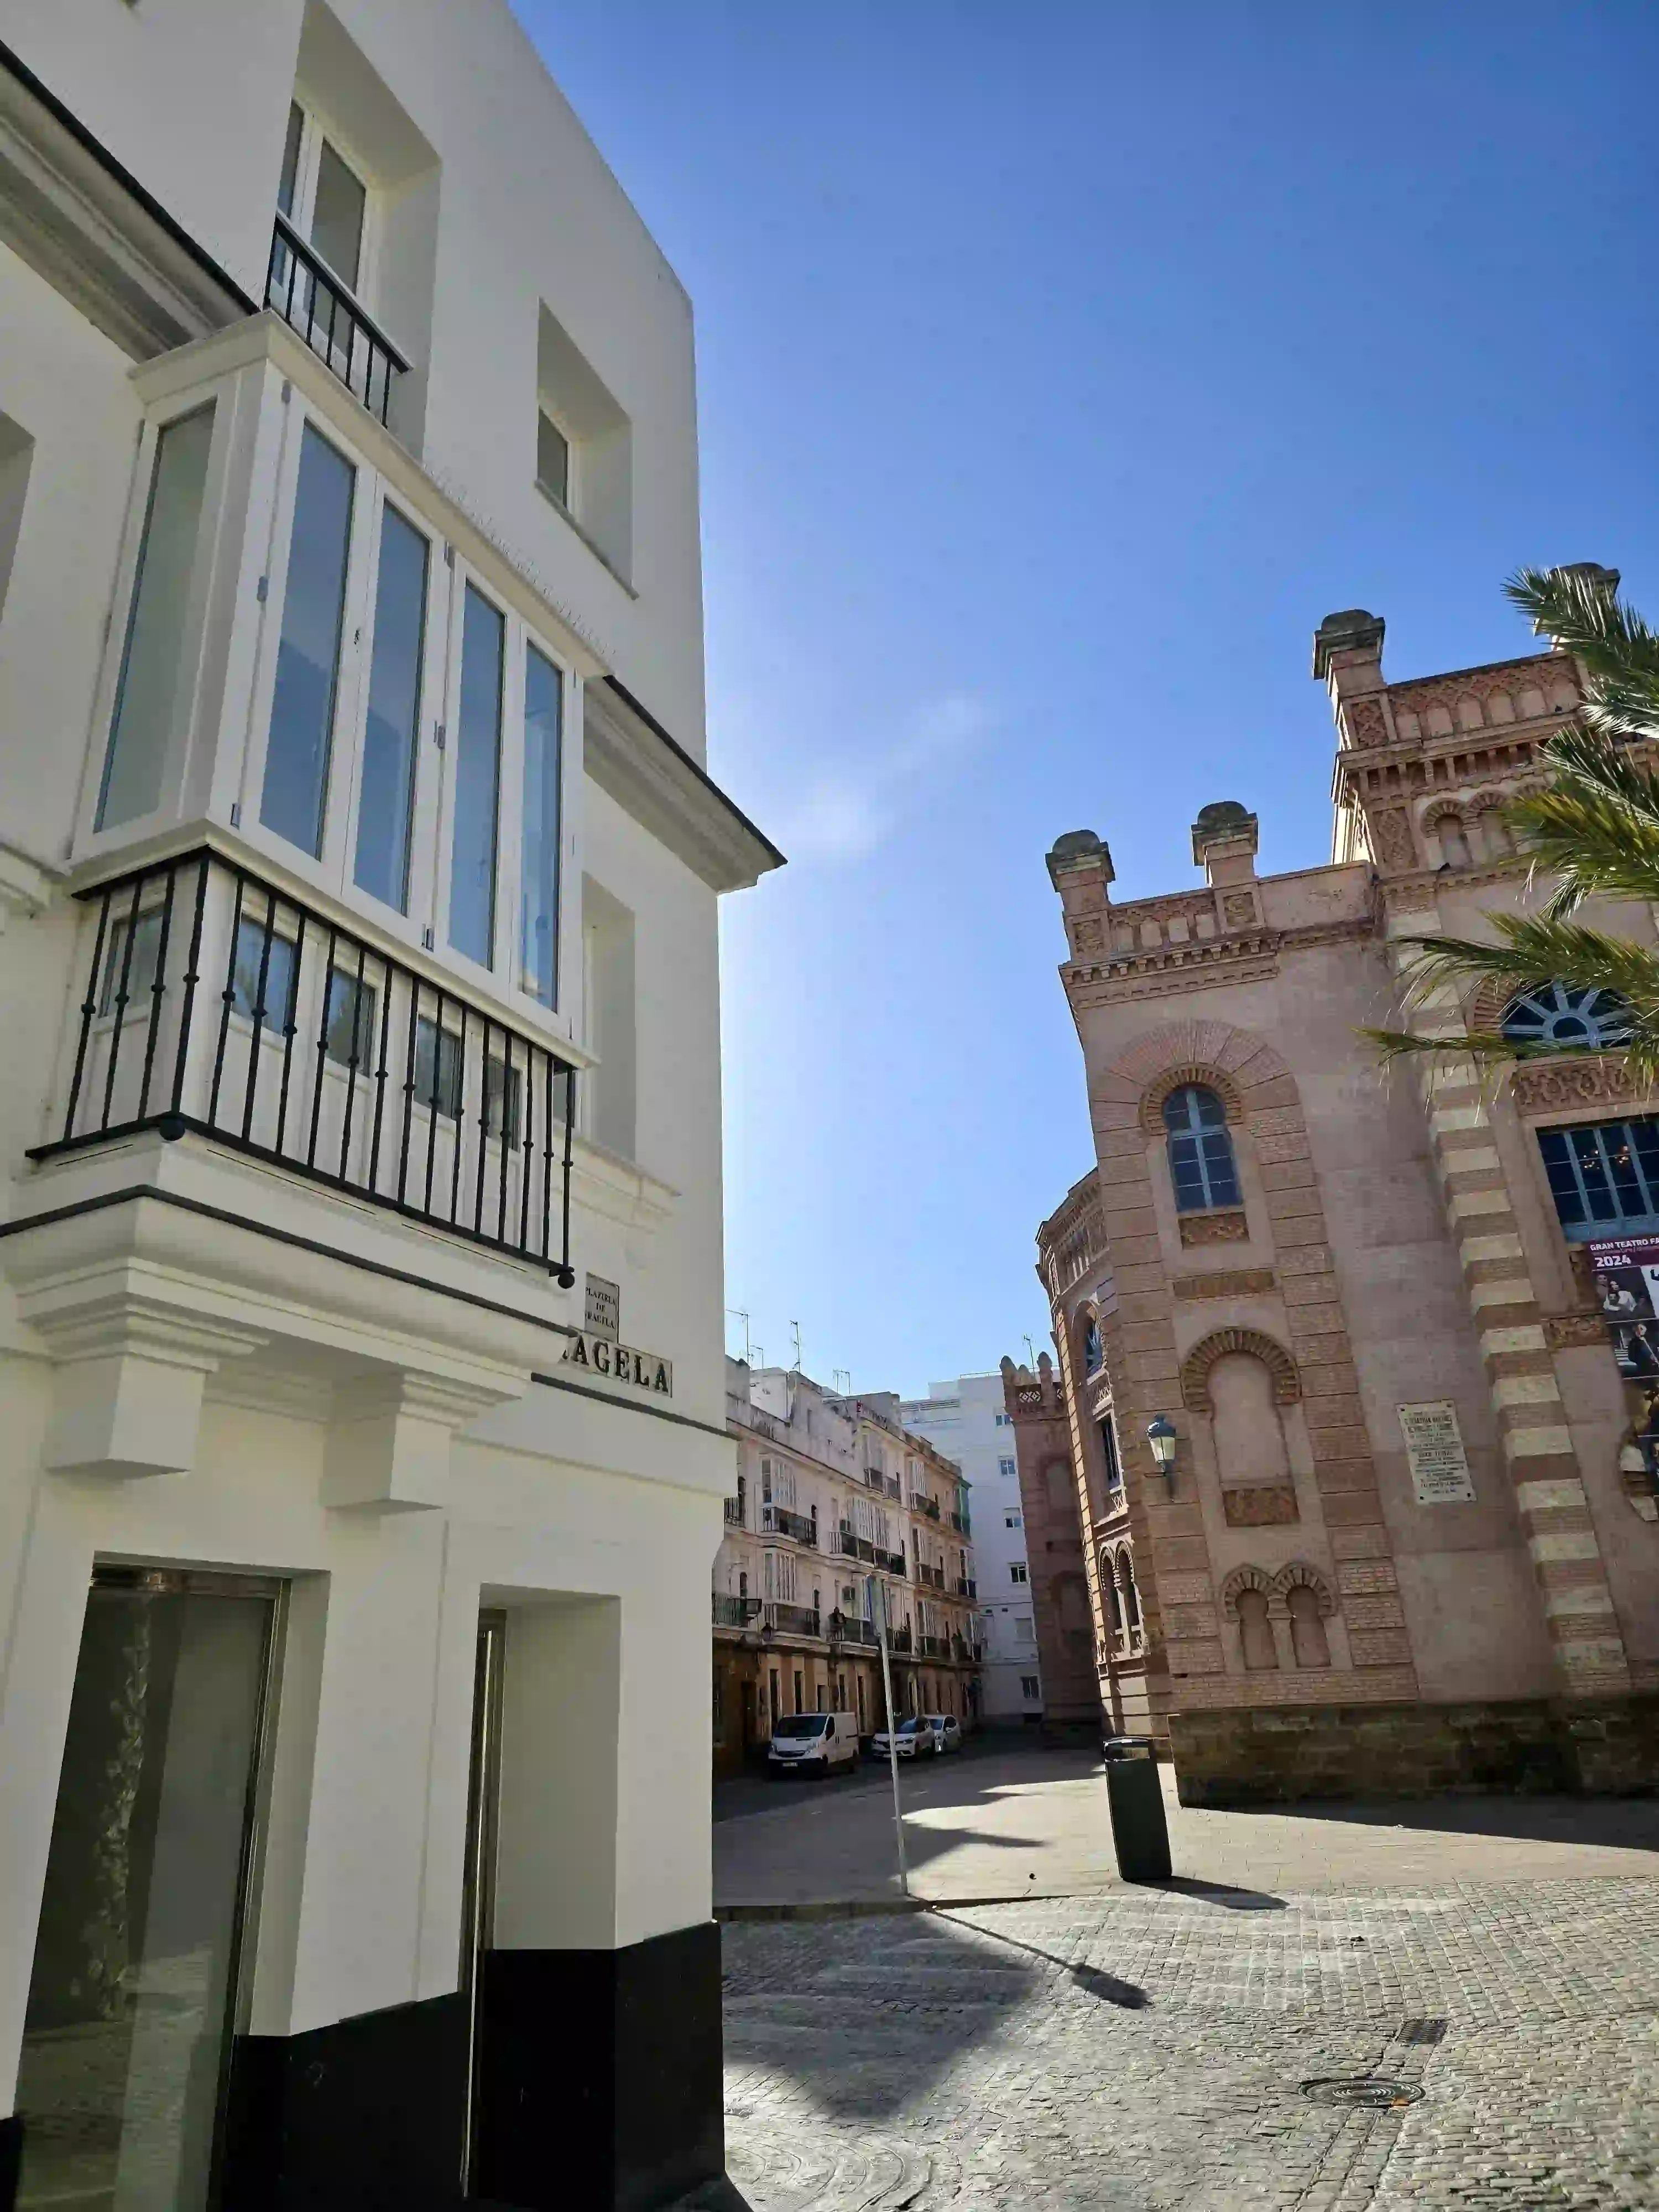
[
  {"x": 388, "y": 790},
  {"x": 477, "y": 779},
  {"x": 149, "y": 693},
  {"x": 308, "y": 655},
  {"x": 539, "y": 867}
]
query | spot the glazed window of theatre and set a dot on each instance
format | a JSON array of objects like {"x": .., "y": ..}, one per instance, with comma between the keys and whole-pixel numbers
[
  {"x": 1200, "y": 1150},
  {"x": 1604, "y": 1176},
  {"x": 406, "y": 733}
]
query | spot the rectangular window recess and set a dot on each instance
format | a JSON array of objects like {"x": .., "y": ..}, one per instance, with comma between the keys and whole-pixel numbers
[
  {"x": 426, "y": 937},
  {"x": 236, "y": 814},
  {"x": 262, "y": 590},
  {"x": 438, "y": 735}
]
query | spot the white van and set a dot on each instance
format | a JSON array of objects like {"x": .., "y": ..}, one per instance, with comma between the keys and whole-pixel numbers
[{"x": 815, "y": 1743}]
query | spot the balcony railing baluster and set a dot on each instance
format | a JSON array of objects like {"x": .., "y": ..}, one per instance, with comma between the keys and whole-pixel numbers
[
  {"x": 291, "y": 973},
  {"x": 294, "y": 267}
]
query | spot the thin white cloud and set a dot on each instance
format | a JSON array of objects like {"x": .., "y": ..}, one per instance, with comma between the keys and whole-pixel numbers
[{"x": 844, "y": 816}]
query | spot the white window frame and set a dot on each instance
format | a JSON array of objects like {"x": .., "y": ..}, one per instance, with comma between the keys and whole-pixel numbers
[
  {"x": 429, "y": 761},
  {"x": 196, "y": 640},
  {"x": 570, "y": 504},
  {"x": 315, "y": 127}
]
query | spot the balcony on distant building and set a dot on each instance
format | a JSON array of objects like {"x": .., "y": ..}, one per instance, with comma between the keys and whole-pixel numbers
[
  {"x": 794, "y": 1620},
  {"x": 780, "y": 1521}
]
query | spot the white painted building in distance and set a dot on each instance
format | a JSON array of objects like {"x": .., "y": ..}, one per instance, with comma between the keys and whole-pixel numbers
[
  {"x": 968, "y": 1422},
  {"x": 363, "y": 1404}
]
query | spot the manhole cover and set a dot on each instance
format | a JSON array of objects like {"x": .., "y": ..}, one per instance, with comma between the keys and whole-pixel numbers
[{"x": 1363, "y": 2092}]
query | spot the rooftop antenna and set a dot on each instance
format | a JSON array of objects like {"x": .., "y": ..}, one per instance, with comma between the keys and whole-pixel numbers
[
  {"x": 794, "y": 1330},
  {"x": 1030, "y": 1349},
  {"x": 737, "y": 1313},
  {"x": 760, "y": 1355},
  {"x": 842, "y": 1379}
]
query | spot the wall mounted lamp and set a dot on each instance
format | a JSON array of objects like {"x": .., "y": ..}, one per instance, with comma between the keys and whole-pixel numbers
[{"x": 1161, "y": 1436}]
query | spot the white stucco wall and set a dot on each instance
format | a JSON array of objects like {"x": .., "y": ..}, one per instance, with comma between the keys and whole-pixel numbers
[{"x": 960, "y": 1418}]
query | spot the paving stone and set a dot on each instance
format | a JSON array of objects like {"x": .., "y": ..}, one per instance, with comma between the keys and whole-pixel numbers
[{"x": 1144, "y": 2048}]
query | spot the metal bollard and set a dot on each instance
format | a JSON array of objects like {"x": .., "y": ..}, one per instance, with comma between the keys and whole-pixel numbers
[{"x": 1140, "y": 1832}]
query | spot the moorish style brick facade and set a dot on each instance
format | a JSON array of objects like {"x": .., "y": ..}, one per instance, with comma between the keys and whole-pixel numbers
[{"x": 1406, "y": 1479}]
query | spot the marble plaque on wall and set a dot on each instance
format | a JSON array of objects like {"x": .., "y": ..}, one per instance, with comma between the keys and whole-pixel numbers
[{"x": 1434, "y": 1444}]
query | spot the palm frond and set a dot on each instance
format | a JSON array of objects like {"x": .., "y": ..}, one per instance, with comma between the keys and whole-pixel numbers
[
  {"x": 1580, "y": 614},
  {"x": 1533, "y": 950}
]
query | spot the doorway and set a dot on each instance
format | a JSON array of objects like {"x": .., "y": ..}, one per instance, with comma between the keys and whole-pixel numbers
[
  {"x": 135, "y": 1994},
  {"x": 478, "y": 1880}
]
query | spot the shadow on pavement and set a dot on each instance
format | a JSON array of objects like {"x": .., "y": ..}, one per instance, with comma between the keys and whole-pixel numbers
[
  {"x": 1226, "y": 1893},
  {"x": 1128, "y": 1996},
  {"x": 866, "y": 2013}
]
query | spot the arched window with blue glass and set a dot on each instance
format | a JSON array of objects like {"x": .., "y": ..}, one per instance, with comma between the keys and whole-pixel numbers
[
  {"x": 1202, "y": 1164},
  {"x": 1094, "y": 1355},
  {"x": 1566, "y": 1016}
]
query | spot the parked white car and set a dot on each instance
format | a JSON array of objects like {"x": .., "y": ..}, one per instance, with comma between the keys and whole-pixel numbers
[
  {"x": 813, "y": 1743},
  {"x": 911, "y": 1739},
  {"x": 947, "y": 1731}
]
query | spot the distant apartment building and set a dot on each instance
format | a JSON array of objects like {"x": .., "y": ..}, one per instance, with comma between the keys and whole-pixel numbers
[
  {"x": 361, "y": 1364},
  {"x": 839, "y": 1518},
  {"x": 969, "y": 1421},
  {"x": 1395, "y": 1328}
]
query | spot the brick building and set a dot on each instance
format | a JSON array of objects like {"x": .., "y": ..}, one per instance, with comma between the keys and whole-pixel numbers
[
  {"x": 1409, "y": 1536},
  {"x": 1065, "y": 1534}
]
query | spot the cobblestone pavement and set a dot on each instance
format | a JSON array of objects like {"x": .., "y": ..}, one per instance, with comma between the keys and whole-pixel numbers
[{"x": 1145, "y": 2049}]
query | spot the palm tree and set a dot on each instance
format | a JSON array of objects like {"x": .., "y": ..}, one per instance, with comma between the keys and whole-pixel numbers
[{"x": 1592, "y": 831}]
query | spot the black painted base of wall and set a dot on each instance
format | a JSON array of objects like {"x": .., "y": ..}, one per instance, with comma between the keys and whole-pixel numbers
[
  {"x": 600, "y": 2080},
  {"x": 599, "y": 2087},
  {"x": 367, "y": 2113},
  {"x": 11, "y": 2154}
]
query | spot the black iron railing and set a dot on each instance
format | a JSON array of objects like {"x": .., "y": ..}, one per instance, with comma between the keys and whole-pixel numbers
[
  {"x": 779, "y": 1521},
  {"x": 847, "y": 1628},
  {"x": 935, "y": 1647},
  {"x": 966, "y": 1586},
  {"x": 921, "y": 1505},
  {"x": 217, "y": 1004},
  {"x": 733, "y": 1513},
  {"x": 312, "y": 299},
  {"x": 734, "y": 1612},
  {"x": 794, "y": 1620}
]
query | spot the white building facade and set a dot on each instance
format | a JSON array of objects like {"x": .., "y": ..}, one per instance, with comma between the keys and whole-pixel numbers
[
  {"x": 839, "y": 1517},
  {"x": 361, "y": 1355},
  {"x": 966, "y": 1419}
]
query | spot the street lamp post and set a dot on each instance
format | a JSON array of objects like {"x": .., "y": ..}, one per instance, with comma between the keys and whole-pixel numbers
[{"x": 879, "y": 1608}]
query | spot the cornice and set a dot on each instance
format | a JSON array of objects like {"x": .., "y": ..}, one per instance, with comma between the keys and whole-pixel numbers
[
  {"x": 630, "y": 755},
  {"x": 78, "y": 219}
]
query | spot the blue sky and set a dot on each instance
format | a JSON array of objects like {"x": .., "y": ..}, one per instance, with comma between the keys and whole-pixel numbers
[{"x": 1061, "y": 366}]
